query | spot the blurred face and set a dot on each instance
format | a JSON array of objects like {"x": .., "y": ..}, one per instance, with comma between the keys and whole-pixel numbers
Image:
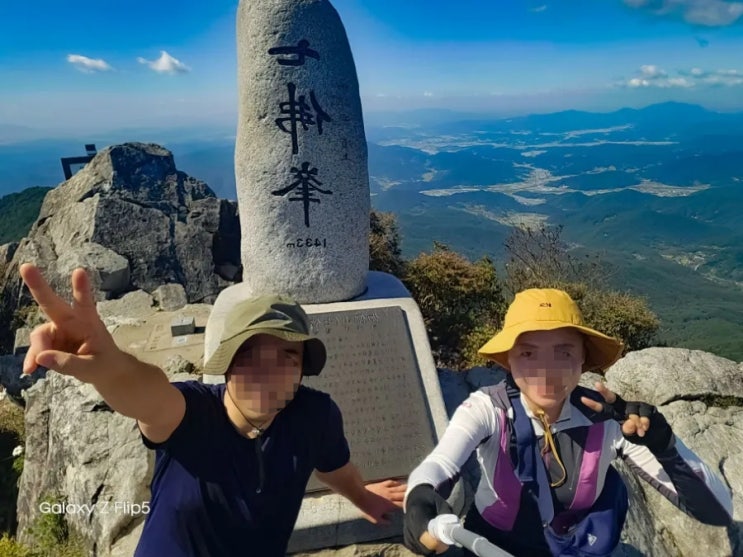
[
  {"x": 265, "y": 373},
  {"x": 547, "y": 365}
]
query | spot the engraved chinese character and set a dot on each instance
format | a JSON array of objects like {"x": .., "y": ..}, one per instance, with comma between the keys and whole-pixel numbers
[
  {"x": 301, "y": 51},
  {"x": 307, "y": 185},
  {"x": 298, "y": 112}
]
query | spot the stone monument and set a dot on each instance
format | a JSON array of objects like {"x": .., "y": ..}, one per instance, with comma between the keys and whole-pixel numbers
[
  {"x": 304, "y": 203},
  {"x": 300, "y": 155}
]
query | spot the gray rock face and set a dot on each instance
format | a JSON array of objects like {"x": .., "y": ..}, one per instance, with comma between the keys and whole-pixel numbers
[
  {"x": 663, "y": 375},
  {"x": 133, "y": 307},
  {"x": 95, "y": 459},
  {"x": 301, "y": 156},
  {"x": 22, "y": 340},
  {"x": 701, "y": 395},
  {"x": 109, "y": 271},
  {"x": 7, "y": 251},
  {"x": 136, "y": 222},
  {"x": 144, "y": 174}
]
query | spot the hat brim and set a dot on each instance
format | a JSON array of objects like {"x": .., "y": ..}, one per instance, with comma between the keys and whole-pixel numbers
[
  {"x": 601, "y": 350},
  {"x": 313, "y": 362}
]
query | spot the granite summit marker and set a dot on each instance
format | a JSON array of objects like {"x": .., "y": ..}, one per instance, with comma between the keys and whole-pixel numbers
[{"x": 300, "y": 154}]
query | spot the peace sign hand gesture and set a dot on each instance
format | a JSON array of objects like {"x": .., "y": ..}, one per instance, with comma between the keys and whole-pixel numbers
[
  {"x": 75, "y": 341},
  {"x": 642, "y": 424}
]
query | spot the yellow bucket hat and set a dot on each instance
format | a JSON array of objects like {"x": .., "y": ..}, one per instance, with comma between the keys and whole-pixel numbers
[{"x": 546, "y": 309}]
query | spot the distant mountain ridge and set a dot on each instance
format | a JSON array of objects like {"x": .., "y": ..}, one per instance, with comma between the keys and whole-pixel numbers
[{"x": 656, "y": 190}]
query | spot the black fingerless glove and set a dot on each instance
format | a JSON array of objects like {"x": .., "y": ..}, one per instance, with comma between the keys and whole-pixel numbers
[
  {"x": 422, "y": 505},
  {"x": 658, "y": 438}
]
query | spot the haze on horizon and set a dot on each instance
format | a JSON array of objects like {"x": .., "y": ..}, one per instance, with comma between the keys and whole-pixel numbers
[{"x": 172, "y": 63}]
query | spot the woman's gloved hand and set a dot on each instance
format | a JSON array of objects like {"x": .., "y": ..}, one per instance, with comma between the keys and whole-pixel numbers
[
  {"x": 642, "y": 424},
  {"x": 422, "y": 505}
]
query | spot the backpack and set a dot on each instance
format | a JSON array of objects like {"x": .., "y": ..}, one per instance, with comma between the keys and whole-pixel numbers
[{"x": 594, "y": 533}]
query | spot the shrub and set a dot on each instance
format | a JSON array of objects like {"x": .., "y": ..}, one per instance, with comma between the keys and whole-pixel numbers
[
  {"x": 11, "y": 435},
  {"x": 455, "y": 296},
  {"x": 52, "y": 536},
  {"x": 11, "y": 548},
  {"x": 618, "y": 314}
]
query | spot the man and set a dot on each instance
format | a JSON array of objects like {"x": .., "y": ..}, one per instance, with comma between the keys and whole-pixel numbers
[
  {"x": 544, "y": 445},
  {"x": 233, "y": 460}
]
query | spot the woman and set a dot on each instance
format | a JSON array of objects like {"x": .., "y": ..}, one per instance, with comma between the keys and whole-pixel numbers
[{"x": 544, "y": 445}]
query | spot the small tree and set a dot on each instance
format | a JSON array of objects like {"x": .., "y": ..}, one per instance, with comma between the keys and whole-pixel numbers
[
  {"x": 618, "y": 314},
  {"x": 456, "y": 297},
  {"x": 384, "y": 245},
  {"x": 538, "y": 258}
]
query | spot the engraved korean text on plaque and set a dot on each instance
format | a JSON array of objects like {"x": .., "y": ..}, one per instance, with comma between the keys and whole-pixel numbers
[{"x": 372, "y": 374}]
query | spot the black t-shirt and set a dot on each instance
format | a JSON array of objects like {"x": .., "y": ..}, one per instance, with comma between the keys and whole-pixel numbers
[{"x": 207, "y": 497}]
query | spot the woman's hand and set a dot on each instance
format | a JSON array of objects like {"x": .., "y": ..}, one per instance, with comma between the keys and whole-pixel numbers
[{"x": 642, "y": 424}]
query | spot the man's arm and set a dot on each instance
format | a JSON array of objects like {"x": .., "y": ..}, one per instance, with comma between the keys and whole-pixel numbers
[
  {"x": 346, "y": 481},
  {"x": 142, "y": 391},
  {"x": 376, "y": 500},
  {"x": 75, "y": 342}
]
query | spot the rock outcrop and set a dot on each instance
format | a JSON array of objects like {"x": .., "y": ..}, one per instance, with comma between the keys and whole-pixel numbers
[
  {"x": 136, "y": 223},
  {"x": 701, "y": 395}
]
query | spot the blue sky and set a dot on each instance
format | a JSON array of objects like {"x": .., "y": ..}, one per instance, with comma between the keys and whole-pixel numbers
[{"x": 97, "y": 65}]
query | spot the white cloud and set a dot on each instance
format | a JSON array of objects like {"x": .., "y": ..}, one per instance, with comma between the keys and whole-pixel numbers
[
  {"x": 652, "y": 72},
  {"x": 708, "y": 13},
  {"x": 539, "y": 9},
  {"x": 165, "y": 64},
  {"x": 677, "y": 82},
  {"x": 724, "y": 78},
  {"x": 88, "y": 65},
  {"x": 428, "y": 94},
  {"x": 652, "y": 76},
  {"x": 637, "y": 82}
]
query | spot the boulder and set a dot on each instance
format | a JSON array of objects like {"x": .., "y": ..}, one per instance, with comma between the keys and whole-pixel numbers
[
  {"x": 132, "y": 307},
  {"x": 108, "y": 271},
  {"x": 95, "y": 459},
  {"x": 701, "y": 395},
  {"x": 170, "y": 297},
  {"x": 137, "y": 223},
  {"x": 7, "y": 251}
]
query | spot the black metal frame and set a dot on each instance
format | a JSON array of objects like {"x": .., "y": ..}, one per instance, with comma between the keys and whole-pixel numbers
[{"x": 67, "y": 162}]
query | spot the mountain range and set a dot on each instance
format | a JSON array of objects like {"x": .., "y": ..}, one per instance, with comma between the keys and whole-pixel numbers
[{"x": 657, "y": 192}]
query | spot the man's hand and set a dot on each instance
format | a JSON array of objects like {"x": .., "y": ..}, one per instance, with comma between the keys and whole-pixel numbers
[
  {"x": 75, "y": 342},
  {"x": 642, "y": 424},
  {"x": 383, "y": 498},
  {"x": 392, "y": 490}
]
